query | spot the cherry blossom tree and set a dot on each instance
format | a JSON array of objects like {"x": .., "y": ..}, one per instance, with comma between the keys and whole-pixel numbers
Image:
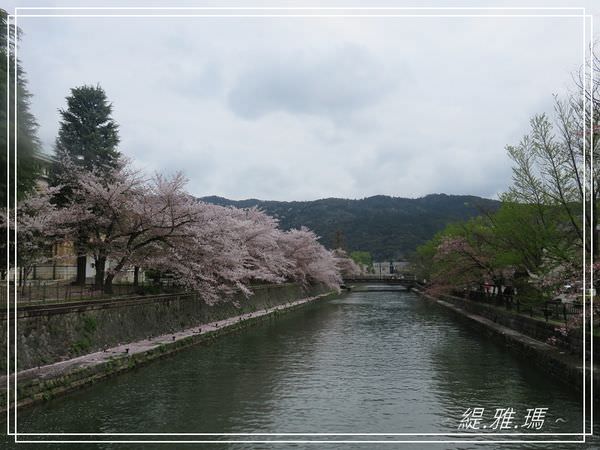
[
  {"x": 312, "y": 263},
  {"x": 154, "y": 223},
  {"x": 127, "y": 215},
  {"x": 230, "y": 247},
  {"x": 258, "y": 235},
  {"x": 37, "y": 230},
  {"x": 210, "y": 258},
  {"x": 459, "y": 263},
  {"x": 347, "y": 267}
]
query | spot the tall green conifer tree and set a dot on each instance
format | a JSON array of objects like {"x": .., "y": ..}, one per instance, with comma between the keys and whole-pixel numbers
[{"x": 88, "y": 138}]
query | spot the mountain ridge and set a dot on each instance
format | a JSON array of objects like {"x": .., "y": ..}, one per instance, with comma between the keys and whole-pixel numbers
[{"x": 388, "y": 227}]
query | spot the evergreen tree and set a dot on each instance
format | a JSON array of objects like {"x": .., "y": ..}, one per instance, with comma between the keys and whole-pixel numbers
[
  {"x": 87, "y": 138},
  {"x": 27, "y": 142},
  {"x": 88, "y": 135}
]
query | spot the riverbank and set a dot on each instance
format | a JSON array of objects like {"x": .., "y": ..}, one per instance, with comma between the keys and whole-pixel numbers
[
  {"x": 363, "y": 362},
  {"x": 48, "y": 381},
  {"x": 558, "y": 363},
  {"x": 53, "y": 332}
]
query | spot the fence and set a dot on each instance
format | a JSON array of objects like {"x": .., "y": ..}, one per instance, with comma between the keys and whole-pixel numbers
[
  {"x": 395, "y": 276},
  {"x": 47, "y": 272},
  {"x": 549, "y": 310},
  {"x": 53, "y": 272},
  {"x": 53, "y": 291},
  {"x": 56, "y": 272}
]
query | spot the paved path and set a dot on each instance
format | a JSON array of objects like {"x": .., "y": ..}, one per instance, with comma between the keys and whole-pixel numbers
[{"x": 63, "y": 367}]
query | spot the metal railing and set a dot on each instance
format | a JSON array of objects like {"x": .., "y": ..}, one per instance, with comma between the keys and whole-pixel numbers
[
  {"x": 53, "y": 291},
  {"x": 393, "y": 276},
  {"x": 46, "y": 272},
  {"x": 549, "y": 310}
]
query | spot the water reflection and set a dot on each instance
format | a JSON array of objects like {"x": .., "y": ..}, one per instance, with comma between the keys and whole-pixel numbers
[{"x": 367, "y": 362}]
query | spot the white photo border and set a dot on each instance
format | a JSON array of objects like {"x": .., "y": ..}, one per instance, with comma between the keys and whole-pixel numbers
[{"x": 332, "y": 12}]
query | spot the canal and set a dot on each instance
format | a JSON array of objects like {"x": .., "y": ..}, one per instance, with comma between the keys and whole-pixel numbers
[{"x": 367, "y": 362}]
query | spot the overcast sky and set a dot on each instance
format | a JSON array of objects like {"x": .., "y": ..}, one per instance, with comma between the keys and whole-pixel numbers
[{"x": 306, "y": 108}]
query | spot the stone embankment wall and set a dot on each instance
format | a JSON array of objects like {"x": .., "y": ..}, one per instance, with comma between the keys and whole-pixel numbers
[
  {"x": 524, "y": 336},
  {"x": 535, "y": 328},
  {"x": 54, "y": 333}
]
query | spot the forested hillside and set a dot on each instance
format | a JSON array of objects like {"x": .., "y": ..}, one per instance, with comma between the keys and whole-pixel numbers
[{"x": 388, "y": 227}]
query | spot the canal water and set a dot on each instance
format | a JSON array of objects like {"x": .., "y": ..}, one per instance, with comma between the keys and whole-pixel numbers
[{"x": 367, "y": 362}]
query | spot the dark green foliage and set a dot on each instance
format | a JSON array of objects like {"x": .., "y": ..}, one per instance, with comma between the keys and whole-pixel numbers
[
  {"x": 89, "y": 325},
  {"x": 387, "y": 227},
  {"x": 362, "y": 258},
  {"x": 88, "y": 138},
  {"x": 88, "y": 135},
  {"x": 506, "y": 246},
  {"x": 87, "y": 330},
  {"x": 28, "y": 145}
]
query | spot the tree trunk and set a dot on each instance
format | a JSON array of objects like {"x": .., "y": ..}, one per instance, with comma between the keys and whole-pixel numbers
[
  {"x": 100, "y": 269},
  {"x": 108, "y": 288},
  {"x": 23, "y": 281},
  {"x": 136, "y": 275},
  {"x": 81, "y": 266},
  {"x": 80, "y": 249}
]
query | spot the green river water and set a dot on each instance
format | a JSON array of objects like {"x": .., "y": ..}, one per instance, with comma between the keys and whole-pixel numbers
[{"x": 366, "y": 362}]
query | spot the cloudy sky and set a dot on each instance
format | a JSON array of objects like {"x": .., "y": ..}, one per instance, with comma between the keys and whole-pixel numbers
[{"x": 300, "y": 108}]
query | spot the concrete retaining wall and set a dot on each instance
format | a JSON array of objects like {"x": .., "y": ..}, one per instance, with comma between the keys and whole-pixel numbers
[
  {"x": 565, "y": 367},
  {"x": 535, "y": 328},
  {"x": 41, "y": 384},
  {"x": 49, "y": 335}
]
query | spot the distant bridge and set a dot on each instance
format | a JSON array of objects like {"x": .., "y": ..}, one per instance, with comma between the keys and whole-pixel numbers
[{"x": 392, "y": 282}]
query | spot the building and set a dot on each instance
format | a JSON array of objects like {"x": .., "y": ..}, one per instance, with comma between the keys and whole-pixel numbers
[
  {"x": 390, "y": 268},
  {"x": 44, "y": 162}
]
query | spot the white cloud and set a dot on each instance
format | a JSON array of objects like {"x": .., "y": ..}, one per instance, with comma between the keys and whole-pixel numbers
[
  {"x": 335, "y": 83},
  {"x": 309, "y": 108}
]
